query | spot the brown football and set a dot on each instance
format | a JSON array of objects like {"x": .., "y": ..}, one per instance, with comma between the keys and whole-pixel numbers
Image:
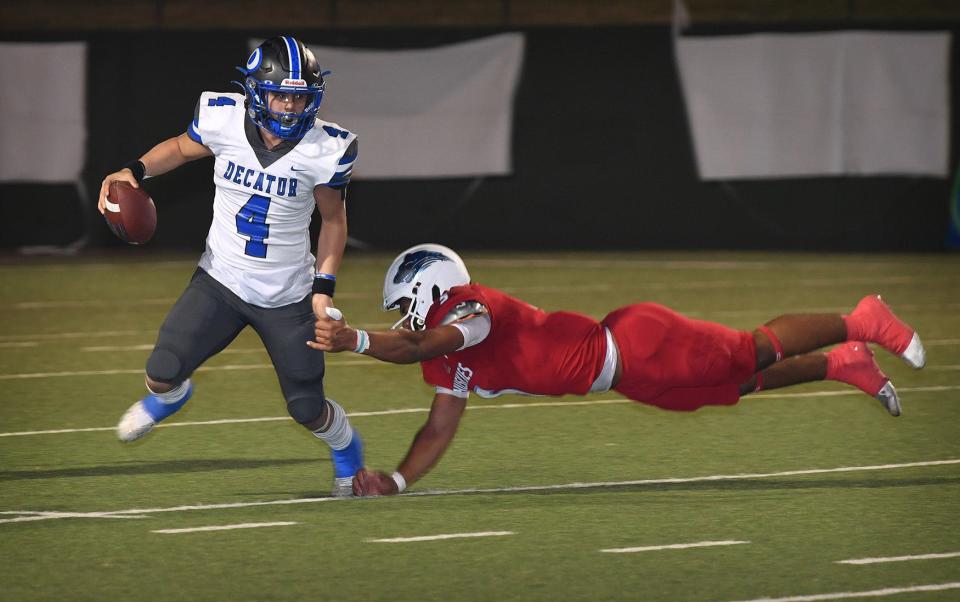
[{"x": 130, "y": 213}]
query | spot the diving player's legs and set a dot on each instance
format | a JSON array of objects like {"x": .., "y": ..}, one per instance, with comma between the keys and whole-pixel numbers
[
  {"x": 201, "y": 323},
  {"x": 872, "y": 321},
  {"x": 852, "y": 363},
  {"x": 300, "y": 369},
  {"x": 681, "y": 364}
]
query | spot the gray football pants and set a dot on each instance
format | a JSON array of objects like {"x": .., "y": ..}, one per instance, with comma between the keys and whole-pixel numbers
[{"x": 208, "y": 316}]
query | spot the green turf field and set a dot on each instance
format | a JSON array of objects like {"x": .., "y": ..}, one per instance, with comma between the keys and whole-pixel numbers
[{"x": 791, "y": 481}]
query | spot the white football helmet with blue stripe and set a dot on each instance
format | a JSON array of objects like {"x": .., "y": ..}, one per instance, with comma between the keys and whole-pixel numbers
[
  {"x": 422, "y": 274},
  {"x": 282, "y": 65}
]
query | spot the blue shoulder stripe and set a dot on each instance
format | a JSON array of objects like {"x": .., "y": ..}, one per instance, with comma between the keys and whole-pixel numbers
[
  {"x": 341, "y": 177},
  {"x": 193, "y": 133},
  {"x": 349, "y": 155}
]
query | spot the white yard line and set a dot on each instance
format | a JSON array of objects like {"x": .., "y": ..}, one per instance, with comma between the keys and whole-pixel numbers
[
  {"x": 771, "y": 312},
  {"x": 851, "y": 391},
  {"x": 28, "y": 375},
  {"x": 140, "y": 347},
  {"x": 499, "y": 406},
  {"x": 149, "y": 346},
  {"x": 439, "y": 537},
  {"x": 874, "y": 593},
  {"x": 29, "y": 515},
  {"x": 226, "y": 527},
  {"x": 519, "y": 489},
  {"x": 75, "y": 335},
  {"x": 86, "y": 303},
  {"x": 533, "y": 262},
  {"x": 674, "y": 546},
  {"x": 647, "y": 285},
  {"x": 32, "y": 340},
  {"x": 67, "y": 373},
  {"x": 504, "y": 406},
  {"x": 898, "y": 558}
]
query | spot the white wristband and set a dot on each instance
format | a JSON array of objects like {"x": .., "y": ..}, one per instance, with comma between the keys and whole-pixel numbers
[
  {"x": 400, "y": 481},
  {"x": 363, "y": 341}
]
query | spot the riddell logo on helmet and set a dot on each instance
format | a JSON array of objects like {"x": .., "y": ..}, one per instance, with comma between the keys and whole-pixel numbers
[{"x": 302, "y": 83}]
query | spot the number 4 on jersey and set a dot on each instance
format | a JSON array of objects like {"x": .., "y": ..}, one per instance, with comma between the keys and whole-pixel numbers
[{"x": 252, "y": 223}]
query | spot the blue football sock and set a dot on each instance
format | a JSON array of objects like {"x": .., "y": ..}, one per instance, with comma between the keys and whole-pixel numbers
[
  {"x": 160, "y": 406},
  {"x": 347, "y": 461}
]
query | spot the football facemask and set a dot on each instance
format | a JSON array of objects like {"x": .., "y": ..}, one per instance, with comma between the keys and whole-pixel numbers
[{"x": 282, "y": 65}]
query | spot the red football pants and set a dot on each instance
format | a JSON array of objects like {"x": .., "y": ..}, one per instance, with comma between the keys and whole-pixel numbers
[{"x": 678, "y": 363}]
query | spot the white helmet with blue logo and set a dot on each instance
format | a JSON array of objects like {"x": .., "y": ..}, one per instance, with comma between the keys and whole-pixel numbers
[{"x": 422, "y": 274}]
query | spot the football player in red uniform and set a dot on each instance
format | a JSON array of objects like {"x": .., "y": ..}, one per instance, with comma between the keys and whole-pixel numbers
[{"x": 469, "y": 337}]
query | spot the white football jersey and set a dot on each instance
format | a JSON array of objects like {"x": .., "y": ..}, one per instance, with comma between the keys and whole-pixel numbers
[{"x": 259, "y": 242}]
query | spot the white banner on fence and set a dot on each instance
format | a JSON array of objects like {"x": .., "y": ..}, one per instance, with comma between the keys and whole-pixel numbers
[
  {"x": 44, "y": 102},
  {"x": 434, "y": 113},
  {"x": 787, "y": 105}
]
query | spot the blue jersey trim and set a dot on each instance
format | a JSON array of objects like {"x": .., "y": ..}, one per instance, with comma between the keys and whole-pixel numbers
[
  {"x": 341, "y": 177},
  {"x": 193, "y": 133},
  {"x": 350, "y": 155}
]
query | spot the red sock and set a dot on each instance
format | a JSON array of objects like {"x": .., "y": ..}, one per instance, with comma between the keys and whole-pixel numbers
[
  {"x": 856, "y": 328},
  {"x": 853, "y": 363}
]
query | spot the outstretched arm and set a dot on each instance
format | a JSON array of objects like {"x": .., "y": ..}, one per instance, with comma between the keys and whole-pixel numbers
[
  {"x": 168, "y": 155},
  {"x": 395, "y": 346},
  {"x": 429, "y": 444}
]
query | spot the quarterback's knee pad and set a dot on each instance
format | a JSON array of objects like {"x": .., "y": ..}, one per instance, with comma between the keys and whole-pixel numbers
[
  {"x": 164, "y": 366},
  {"x": 306, "y": 409}
]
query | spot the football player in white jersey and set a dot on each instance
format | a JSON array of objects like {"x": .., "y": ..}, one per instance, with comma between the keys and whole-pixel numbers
[{"x": 274, "y": 162}]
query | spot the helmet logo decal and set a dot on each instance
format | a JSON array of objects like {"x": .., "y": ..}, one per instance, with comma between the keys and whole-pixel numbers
[
  {"x": 294, "y": 83},
  {"x": 414, "y": 262},
  {"x": 253, "y": 63},
  {"x": 294, "y": 53}
]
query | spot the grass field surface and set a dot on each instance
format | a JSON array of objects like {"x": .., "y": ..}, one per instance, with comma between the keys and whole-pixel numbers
[{"x": 592, "y": 498}]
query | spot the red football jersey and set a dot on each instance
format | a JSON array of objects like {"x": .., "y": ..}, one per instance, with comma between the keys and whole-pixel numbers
[{"x": 527, "y": 351}]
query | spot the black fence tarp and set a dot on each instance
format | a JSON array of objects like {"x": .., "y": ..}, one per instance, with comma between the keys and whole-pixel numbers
[{"x": 602, "y": 158}]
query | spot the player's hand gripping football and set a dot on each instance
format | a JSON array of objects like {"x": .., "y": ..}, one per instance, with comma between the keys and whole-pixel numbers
[
  {"x": 332, "y": 333},
  {"x": 373, "y": 483},
  {"x": 124, "y": 175}
]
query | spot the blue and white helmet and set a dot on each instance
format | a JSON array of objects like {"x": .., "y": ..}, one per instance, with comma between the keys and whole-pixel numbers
[
  {"x": 422, "y": 274},
  {"x": 282, "y": 65}
]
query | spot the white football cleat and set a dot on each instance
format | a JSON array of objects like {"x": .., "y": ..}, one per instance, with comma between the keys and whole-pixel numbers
[
  {"x": 915, "y": 355},
  {"x": 135, "y": 423},
  {"x": 342, "y": 487}
]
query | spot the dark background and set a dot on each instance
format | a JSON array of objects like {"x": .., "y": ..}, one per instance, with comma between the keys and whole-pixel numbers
[{"x": 602, "y": 153}]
